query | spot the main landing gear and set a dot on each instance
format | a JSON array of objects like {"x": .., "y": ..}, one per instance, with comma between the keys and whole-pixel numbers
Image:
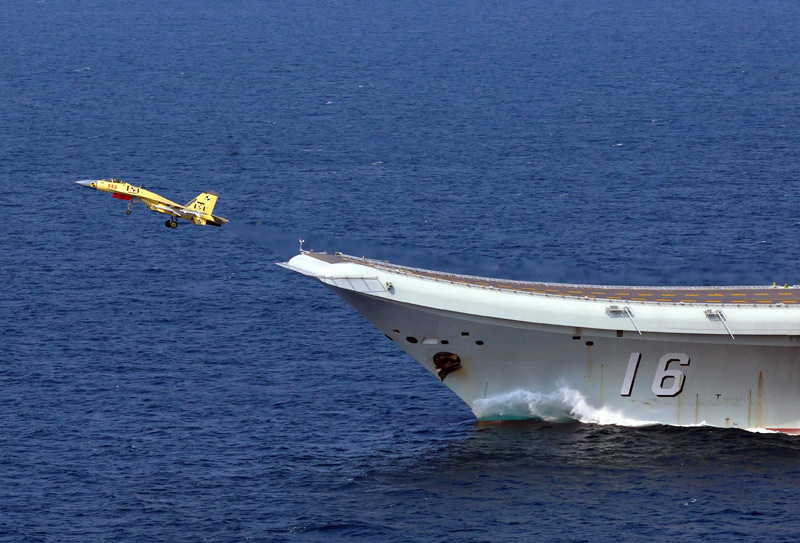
[{"x": 171, "y": 223}]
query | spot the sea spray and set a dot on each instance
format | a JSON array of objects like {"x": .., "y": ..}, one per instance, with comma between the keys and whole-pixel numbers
[{"x": 562, "y": 405}]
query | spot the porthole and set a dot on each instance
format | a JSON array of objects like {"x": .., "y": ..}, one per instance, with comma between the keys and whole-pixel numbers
[
  {"x": 412, "y": 339},
  {"x": 619, "y": 333},
  {"x": 444, "y": 342},
  {"x": 479, "y": 342},
  {"x": 589, "y": 343},
  {"x": 576, "y": 337},
  {"x": 464, "y": 333}
]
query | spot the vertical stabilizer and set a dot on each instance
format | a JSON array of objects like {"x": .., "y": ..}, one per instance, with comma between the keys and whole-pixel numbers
[{"x": 204, "y": 202}]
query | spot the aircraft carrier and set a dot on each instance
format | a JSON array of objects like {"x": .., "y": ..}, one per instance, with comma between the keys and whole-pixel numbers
[{"x": 721, "y": 356}]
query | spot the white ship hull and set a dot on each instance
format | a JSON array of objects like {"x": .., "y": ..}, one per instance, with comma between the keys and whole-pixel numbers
[{"x": 508, "y": 353}]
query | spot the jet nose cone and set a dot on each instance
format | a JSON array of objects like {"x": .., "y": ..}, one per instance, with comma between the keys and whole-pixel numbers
[{"x": 91, "y": 183}]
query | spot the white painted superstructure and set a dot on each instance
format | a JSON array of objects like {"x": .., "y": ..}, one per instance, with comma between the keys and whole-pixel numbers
[{"x": 723, "y": 356}]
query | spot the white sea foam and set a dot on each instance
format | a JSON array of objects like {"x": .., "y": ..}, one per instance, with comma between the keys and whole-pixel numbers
[
  {"x": 753, "y": 429},
  {"x": 764, "y": 431},
  {"x": 561, "y": 405}
]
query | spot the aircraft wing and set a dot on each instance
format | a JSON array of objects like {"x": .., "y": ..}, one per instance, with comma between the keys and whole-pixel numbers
[
  {"x": 197, "y": 217},
  {"x": 182, "y": 212}
]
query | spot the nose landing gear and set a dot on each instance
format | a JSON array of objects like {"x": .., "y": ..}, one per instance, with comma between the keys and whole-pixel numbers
[
  {"x": 128, "y": 211},
  {"x": 171, "y": 223}
]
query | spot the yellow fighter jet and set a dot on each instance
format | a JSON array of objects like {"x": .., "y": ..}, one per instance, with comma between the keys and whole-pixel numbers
[{"x": 198, "y": 211}]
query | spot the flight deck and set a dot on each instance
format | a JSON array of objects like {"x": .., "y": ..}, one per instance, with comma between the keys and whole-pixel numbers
[{"x": 735, "y": 295}]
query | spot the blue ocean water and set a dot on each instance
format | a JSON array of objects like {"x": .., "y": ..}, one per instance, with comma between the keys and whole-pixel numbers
[{"x": 175, "y": 385}]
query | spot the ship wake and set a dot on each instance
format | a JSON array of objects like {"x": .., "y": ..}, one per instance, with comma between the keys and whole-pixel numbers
[{"x": 562, "y": 405}]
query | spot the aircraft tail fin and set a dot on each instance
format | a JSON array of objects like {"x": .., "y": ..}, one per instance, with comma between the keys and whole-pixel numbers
[{"x": 204, "y": 202}]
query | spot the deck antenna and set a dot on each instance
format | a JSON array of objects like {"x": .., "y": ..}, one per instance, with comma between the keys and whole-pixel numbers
[
  {"x": 624, "y": 311},
  {"x": 302, "y": 241},
  {"x": 717, "y": 314}
]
